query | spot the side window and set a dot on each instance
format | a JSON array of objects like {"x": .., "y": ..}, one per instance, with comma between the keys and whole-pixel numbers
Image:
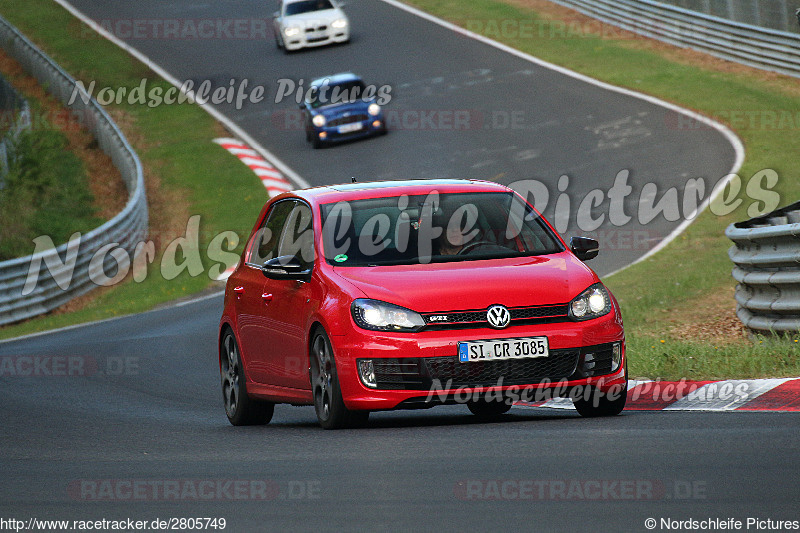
[
  {"x": 297, "y": 235},
  {"x": 267, "y": 237}
]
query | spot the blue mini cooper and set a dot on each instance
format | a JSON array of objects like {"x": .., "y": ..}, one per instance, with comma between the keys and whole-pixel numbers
[{"x": 341, "y": 107}]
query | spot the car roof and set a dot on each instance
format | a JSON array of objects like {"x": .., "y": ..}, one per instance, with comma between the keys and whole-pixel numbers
[
  {"x": 334, "y": 79},
  {"x": 377, "y": 189}
]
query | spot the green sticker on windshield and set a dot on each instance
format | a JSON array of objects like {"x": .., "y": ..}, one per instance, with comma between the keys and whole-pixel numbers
[{"x": 341, "y": 258}]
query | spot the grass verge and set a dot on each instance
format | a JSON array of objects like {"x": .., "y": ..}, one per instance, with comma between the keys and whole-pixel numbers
[
  {"x": 185, "y": 173},
  {"x": 45, "y": 193},
  {"x": 678, "y": 305}
]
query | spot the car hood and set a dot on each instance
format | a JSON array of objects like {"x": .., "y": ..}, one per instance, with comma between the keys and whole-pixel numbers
[
  {"x": 326, "y": 16},
  {"x": 468, "y": 285}
]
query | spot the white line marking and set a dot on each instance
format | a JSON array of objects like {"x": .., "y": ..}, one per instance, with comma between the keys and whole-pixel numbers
[
  {"x": 736, "y": 143},
  {"x": 293, "y": 176},
  {"x": 104, "y": 320}
]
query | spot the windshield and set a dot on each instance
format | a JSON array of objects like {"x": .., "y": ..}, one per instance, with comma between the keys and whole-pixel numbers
[
  {"x": 307, "y": 6},
  {"x": 336, "y": 93},
  {"x": 433, "y": 228}
]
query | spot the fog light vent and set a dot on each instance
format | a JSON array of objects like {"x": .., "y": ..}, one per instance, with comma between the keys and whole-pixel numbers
[
  {"x": 366, "y": 371},
  {"x": 616, "y": 356}
]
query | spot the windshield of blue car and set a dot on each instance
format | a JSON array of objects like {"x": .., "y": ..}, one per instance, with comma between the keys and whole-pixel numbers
[
  {"x": 307, "y": 6},
  {"x": 433, "y": 228},
  {"x": 337, "y": 93}
]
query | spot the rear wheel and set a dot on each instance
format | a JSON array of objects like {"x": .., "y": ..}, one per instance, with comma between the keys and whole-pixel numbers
[
  {"x": 487, "y": 409},
  {"x": 598, "y": 403},
  {"x": 240, "y": 408},
  {"x": 328, "y": 402}
]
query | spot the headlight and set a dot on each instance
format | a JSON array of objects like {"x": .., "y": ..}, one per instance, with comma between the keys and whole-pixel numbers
[
  {"x": 374, "y": 109},
  {"x": 319, "y": 121},
  {"x": 591, "y": 303},
  {"x": 339, "y": 24},
  {"x": 382, "y": 316},
  {"x": 291, "y": 31}
]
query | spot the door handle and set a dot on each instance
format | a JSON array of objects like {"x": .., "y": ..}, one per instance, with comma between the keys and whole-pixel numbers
[
  {"x": 238, "y": 290},
  {"x": 266, "y": 297}
]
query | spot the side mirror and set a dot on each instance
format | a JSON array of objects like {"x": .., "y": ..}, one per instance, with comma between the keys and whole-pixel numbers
[
  {"x": 285, "y": 267},
  {"x": 583, "y": 248},
  {"x": 276, "y": 14}
]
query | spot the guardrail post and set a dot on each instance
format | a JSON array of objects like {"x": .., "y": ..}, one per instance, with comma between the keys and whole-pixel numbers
[{"x": 766, "y": 257}]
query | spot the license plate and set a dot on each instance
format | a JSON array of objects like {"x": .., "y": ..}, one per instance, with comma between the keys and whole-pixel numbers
[
  {"x": 472, "y": 351},
  {"x": 347, "y": 128}
]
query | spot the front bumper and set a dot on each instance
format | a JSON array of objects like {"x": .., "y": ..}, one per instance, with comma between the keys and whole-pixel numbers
[
  {"x": 421, "y": 369},
  {"x": 354, "y": 130},
  {"x": 317, "y": 38}
]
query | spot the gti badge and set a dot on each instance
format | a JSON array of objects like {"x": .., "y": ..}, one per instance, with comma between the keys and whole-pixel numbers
[{"x": 498, "y": 316}]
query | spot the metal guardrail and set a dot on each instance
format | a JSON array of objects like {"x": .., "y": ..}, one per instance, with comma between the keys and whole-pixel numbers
[
  {"x": 748, "y": 44},
  {"x": 17, "y": 115},
  {"x": 766, "y": 254},
  {"x": 775, "y": 14},
  {"x": 124, "y": 231}
]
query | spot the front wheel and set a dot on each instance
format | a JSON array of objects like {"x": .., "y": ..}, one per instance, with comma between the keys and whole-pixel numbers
[
  {"x": 328, "y": 402},
  {"x": 598, "y": 403},
  {"x": 240, "y": 408}
]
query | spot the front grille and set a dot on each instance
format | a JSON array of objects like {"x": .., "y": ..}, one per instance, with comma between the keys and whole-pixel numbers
[
  {"x": 319, "y": 28},
  {"x": 347, "y": 120},
  {"x": 544, "y": 313},
  {"x": 421, "y": 373},
  {"x": 558, "y": 365}
]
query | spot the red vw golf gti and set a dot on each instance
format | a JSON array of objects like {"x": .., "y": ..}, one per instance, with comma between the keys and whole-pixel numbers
[{"x": 404, "y": 295}]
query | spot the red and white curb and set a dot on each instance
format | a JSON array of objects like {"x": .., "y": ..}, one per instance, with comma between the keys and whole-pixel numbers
[
  {"x": 227, "y": 273},
  {"x": 271, "y": 177},
  {"x": 781, "y": 394}
]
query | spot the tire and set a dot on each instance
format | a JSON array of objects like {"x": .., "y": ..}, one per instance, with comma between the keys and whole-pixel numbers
[
  {"x": 239, "y": 407},
  {"x": 600, "y": 404},
  {"x": 281, "y": 44},
  {"x": 486, "y": 409},
  {"x": 328, "y": 402},
  {"x": 315, "y": 142}
]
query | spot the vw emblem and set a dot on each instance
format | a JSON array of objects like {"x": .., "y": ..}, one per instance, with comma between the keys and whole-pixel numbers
[{"x": 498, "y": 316}]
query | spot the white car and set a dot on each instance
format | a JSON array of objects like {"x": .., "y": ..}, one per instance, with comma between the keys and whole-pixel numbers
[{"x": 302, "y": 23}]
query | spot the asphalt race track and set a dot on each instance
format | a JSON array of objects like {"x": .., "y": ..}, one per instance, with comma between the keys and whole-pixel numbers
[
  {"x": 146, "y": 408},
  {"x": 94, "y": 411}
]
